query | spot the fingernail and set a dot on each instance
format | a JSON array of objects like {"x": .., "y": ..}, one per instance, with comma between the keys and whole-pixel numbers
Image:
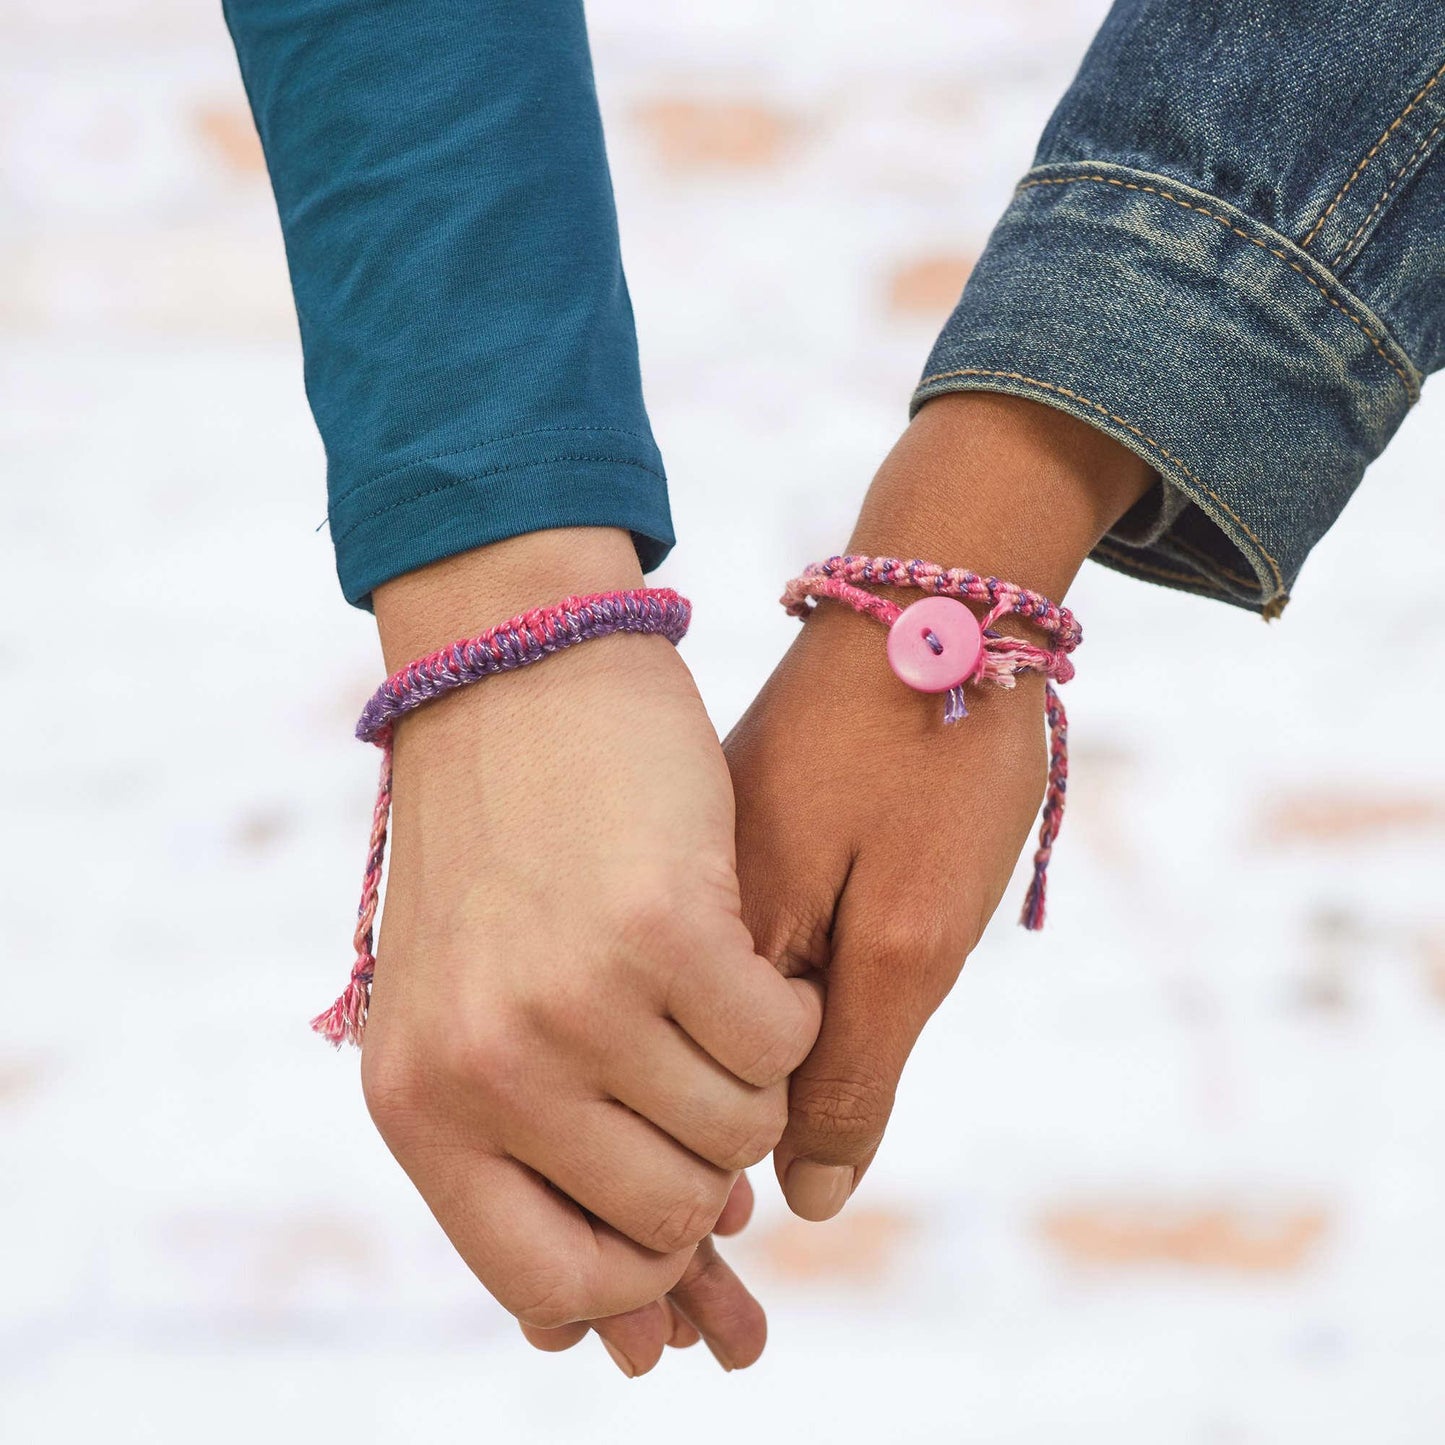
[
  {"x": 718, "y": 1355},
  {"x": 620, "y": 1360},
  {"x": 817, "y": 1191}
]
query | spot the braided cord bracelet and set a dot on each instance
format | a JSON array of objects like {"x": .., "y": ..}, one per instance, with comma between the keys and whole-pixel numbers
[
  {"x": 518, "y": 642},
  {"x": 938, "y": 645}
]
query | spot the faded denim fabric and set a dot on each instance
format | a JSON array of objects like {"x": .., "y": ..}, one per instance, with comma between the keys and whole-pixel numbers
[
  {"x": 444, "y": 195},
  {"x": 1229, "y": 255}
]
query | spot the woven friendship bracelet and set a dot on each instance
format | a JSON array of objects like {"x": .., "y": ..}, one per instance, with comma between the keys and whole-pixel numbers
[
  {"x": 938, "y": 645},
  {"x": 516, "y": 643}
]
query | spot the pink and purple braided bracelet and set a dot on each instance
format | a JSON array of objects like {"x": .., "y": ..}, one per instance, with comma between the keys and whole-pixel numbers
[
  {"x": 518, "y": 642},
  {"x": 934, "y": 645},
  {"x": 938, "y": 645}
]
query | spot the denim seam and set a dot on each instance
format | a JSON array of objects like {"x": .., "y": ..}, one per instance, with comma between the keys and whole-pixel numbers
[
  {"x": 1372, "y": 153},
  {"x": 1206, "y": 560},
  {"x": 478, "y": 446},
  {"x": 1227, "y": 222},
  {"x": 1125, "y": 560},
  {"x": 478, "y": 476},
  {"x": 1416, "y": 157},
  {"x": 1125, "y": 556},
  {"x": 1128, "y": 426}
]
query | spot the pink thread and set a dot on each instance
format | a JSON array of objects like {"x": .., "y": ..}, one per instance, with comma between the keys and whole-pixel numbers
[
  {"x": 518, "y": 642},
  {"x": 345, "y": 1021},
  {"x": 846, "y": 578}
]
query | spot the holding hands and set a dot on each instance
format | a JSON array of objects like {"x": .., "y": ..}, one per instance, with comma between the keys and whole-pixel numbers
[{"x": 589, "y": 999}]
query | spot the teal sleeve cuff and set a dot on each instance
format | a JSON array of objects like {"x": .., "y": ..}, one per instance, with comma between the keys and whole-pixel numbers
[{"x": 553, "y": 477}]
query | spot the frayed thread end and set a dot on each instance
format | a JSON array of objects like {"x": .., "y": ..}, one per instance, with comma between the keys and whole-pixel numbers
[
  {"x": 345, "y": 1021},
  {"x": 1032, "y": 917},
  {"x": 956, "y": 708}
]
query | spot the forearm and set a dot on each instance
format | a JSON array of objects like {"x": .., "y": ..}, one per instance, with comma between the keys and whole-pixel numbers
[
  {"x": 1001, "y": 485},
  {"x": 462, "y": 595}
]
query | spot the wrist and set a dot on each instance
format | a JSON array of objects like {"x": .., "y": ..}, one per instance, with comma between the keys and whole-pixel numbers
[
  {"x": 464, "y": 595},
  {"x": 1001, "y": 485},
  {"x": 455, "y": 735}
]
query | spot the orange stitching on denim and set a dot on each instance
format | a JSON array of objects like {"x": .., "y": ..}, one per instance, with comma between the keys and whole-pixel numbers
[
  {"x": 1202, "y": 585},
  {"x": 1213, "y": 564},
  {"x": 1385, "y": 196},
  {"x": 1126, "y": 558},
  {"x": 1371, "y": 154},
  {"x": 1130, "y": 427},
  {"x": 1229, "y": 225}
]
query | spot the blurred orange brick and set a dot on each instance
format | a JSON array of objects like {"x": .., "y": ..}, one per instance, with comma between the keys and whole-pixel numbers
[
  {"x": 18, "y": 1079},
  {"x": 929, "y": 286},
  {"x": 860, "y": 1246},
  {"x": 1219, "y": 1238},
  {"x": 305, "y": 1244},
  {"x": 1432, "y": 958},
  {"x": 1323, "y": 817},
  {"x": 261, "y": 829},
  {"x": 273, "y": 1253},
  {"x": 227, "y": 130},
  {"x": 699, "y": 134}
]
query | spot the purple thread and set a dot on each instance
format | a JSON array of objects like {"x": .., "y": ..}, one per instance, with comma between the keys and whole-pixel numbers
[{"x": 523, "y": 640}]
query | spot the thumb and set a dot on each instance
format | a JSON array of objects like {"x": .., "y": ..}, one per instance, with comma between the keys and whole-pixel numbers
[{"x": 891, "y": 966}]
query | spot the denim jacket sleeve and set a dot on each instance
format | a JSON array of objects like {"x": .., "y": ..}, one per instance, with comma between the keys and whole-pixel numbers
[
  {"x": 449, "y": 224},
  {"x": 1229, "y": 255}
]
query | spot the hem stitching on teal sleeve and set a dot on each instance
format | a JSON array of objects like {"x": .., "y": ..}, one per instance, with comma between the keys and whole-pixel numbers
[
  {"x": 1411, "y": 384},
  {"x": 338, "y": 538},
  {"x": 491, "y": 441}
]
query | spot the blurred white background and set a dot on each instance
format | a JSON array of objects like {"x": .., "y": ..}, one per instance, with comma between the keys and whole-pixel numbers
[{"x": 1172, "y": 1172}]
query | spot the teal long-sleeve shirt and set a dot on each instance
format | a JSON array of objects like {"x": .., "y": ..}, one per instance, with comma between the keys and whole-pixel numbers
[{"x": 471, "y": 358}]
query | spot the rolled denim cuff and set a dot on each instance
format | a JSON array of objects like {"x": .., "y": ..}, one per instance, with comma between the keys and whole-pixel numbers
[{"x": 1242, "y": 370}]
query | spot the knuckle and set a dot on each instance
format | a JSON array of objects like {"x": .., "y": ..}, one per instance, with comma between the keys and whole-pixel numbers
[
  {"x": 392, "y": 1086},
  {"x": 489, "y": 1060},
  {"x": 924, "y": 948},
  {"x": 903, "y": 948},
  {"x": 545, "y": 1297},
  {"x": 685, "y": 1221},
  {"x": 642, "y": 941},
  {"x": 567, "y": 1009},
  {"x": 785, "y": 1047},
  {"x": 845, "y": 1109},
  {"x": 410, "y": 1091},
  {"x": 754, "y": 1137},
  {"x": 648, "y": 920}
]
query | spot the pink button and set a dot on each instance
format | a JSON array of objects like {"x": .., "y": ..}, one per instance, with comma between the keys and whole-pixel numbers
[{"x": 935, "y": 644}]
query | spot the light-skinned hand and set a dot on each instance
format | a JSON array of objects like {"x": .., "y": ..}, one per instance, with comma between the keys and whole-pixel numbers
[{"x": 573, "y": 1048}]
